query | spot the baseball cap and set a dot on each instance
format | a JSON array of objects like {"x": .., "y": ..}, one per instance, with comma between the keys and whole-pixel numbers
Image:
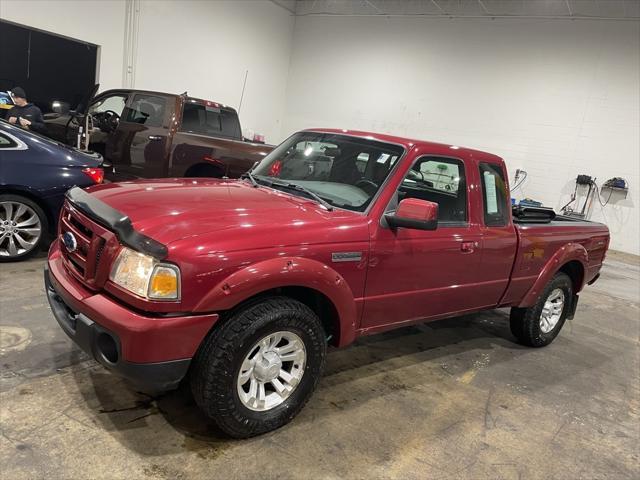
[{"x": 18, "y": 92}]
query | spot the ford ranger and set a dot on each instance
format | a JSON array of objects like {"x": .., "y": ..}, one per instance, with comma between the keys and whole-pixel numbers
[
  {"x": 145, "y": 134},
  {"x": 238, "y": 286}
]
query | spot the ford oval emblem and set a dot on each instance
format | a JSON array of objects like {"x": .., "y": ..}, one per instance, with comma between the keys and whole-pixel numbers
[{"x": 69, "y": 241}]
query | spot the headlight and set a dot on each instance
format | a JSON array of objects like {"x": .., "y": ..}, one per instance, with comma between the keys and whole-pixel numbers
[{"x": 145, "y": 276}]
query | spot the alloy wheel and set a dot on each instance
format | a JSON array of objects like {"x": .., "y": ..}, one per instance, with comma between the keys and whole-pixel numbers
[
  {"x": 271, "y": 371},
  {"x": 20, "y": 229},
  {"x": 552, "y": 310}
]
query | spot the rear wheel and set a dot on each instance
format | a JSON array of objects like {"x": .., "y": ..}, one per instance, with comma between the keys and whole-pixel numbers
[
  {"x": 23, "y": 226},
  {"x": 258, "y": 369},
  {"x": 540, "y": 324}
]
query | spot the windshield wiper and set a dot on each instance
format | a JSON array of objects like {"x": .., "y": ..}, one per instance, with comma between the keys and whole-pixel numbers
[
  {"x": 251, "y": 178},
  {"x": 300, "y": 188}
]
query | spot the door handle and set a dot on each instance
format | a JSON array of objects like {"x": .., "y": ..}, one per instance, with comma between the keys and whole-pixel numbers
[
  {"x": 155, "y": 137},
  {"x": 468, "y": 247}
]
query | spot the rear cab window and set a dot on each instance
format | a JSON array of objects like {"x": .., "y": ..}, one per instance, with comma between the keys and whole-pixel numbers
[
  {"x": 494, "y": 195},
  {"x": 211, "y": 119}
]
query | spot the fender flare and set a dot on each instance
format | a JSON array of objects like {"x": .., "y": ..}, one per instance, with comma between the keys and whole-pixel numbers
[
  {"x": 566, "y": 254},
  {"x": 286, "y": 272}
]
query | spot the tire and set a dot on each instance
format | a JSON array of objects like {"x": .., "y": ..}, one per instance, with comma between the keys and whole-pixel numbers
[
  {"x": 528, "y": 324},
  {"x": 218, "y": 367},
  {"x": 16, "y": 245}
]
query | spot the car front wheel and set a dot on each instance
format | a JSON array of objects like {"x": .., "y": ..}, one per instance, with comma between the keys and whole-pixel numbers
[
  {"x": 23, "y": 225},
  {"x": 256, "y": 371}
]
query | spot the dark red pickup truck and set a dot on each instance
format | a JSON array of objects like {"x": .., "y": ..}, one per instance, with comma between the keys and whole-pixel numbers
[
  {"x": 240, "y": 285},
  {"x": 145, "y": 134}
]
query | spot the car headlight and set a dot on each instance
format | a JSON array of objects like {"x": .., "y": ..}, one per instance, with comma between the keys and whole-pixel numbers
[{"x": 145, "y": 276}]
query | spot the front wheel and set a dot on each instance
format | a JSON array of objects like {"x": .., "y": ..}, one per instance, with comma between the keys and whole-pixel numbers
[
  {"x": 23, "y": 226},
  {"x": 257, "y": 370},
  {"x": 539, "y": 325}
]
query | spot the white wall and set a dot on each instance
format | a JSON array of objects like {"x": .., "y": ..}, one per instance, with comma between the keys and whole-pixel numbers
[
  {"x": 206, "y": 48},
  {"x": 555, "y": 97},
  {"x": 97, "y": 22}
]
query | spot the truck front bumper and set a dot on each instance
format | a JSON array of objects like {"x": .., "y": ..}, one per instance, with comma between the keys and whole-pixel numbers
[{"x": 152, "y": 352}]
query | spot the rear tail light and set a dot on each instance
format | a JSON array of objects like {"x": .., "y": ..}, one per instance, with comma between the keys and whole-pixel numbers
[{"x": 95, "y": 174}]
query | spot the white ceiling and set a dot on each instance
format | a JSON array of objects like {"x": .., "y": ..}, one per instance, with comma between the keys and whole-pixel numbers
[{"x": 577, "y": 9}]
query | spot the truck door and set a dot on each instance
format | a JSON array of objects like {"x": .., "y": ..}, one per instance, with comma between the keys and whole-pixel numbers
[
  {"x": 417, "y": 274},
  {"x": 106, "y": 111},
  {"x": 142, "y": 137},
  {"x": 499, "y": 243}
]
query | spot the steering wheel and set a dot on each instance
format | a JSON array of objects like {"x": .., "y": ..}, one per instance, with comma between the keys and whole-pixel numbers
[
  {"x": 367, "y": 184},
  {"x": 416, "y": 175},
  {"x": 107, "y": 120}
]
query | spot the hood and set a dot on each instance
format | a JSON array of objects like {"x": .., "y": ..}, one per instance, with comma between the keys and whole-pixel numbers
[{"x": 176, "y": 209}]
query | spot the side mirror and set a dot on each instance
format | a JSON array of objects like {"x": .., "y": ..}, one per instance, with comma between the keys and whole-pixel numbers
[
  {"x": 60, "y": 107},
  {"x": 414, "y": 213}
]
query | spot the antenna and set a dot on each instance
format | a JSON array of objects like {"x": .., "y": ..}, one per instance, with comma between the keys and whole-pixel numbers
[{"x": 246, "y": 74}]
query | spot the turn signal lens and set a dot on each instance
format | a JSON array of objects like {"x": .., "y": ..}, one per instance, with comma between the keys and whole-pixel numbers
[{"x": 164, "y": 283}]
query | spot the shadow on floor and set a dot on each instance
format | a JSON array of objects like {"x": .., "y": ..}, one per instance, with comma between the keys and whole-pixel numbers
[{"x": 452, "y": 345}]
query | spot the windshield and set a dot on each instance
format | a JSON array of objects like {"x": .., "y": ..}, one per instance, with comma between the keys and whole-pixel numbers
[{"x": 344, "y": 171}]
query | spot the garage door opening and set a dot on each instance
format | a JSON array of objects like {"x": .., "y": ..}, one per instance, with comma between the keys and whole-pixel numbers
[{"x": 48, "y": 66}]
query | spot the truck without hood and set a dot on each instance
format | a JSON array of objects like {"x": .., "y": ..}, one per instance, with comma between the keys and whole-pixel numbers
[
  {"x": 240, "y": 285},
  {"x": 146, "y": 134}
]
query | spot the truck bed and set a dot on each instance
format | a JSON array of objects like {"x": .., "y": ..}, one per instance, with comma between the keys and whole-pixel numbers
[
  {"x": 553, "y": 219},
  {"x": 538, "y": 242}
]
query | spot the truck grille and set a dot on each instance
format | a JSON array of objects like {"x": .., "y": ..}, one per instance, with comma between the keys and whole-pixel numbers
[{"x": 88, "y": 262}]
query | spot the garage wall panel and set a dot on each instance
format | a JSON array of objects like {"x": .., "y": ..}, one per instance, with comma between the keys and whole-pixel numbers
[
  {"x": 206, "y": 48},
  {"x": 555, "y": 97}
]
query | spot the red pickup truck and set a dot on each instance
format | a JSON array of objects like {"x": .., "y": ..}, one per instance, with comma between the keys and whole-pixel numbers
[{"x": 240, "y": 285}]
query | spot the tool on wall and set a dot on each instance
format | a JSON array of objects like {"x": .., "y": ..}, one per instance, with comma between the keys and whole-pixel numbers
[
  {"x": 581, "y": 181},
  {"x": 616, "y": 184}
]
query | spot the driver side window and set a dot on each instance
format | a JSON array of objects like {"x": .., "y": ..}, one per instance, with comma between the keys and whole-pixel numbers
[
  {"x": 146, "y": 110},
  {"x": 439, "y": 180},
  {"x": 115, "y": 103}
]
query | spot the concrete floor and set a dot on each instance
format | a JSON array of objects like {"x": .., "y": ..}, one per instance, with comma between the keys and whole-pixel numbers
[{"x": 452, "y": 399}]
